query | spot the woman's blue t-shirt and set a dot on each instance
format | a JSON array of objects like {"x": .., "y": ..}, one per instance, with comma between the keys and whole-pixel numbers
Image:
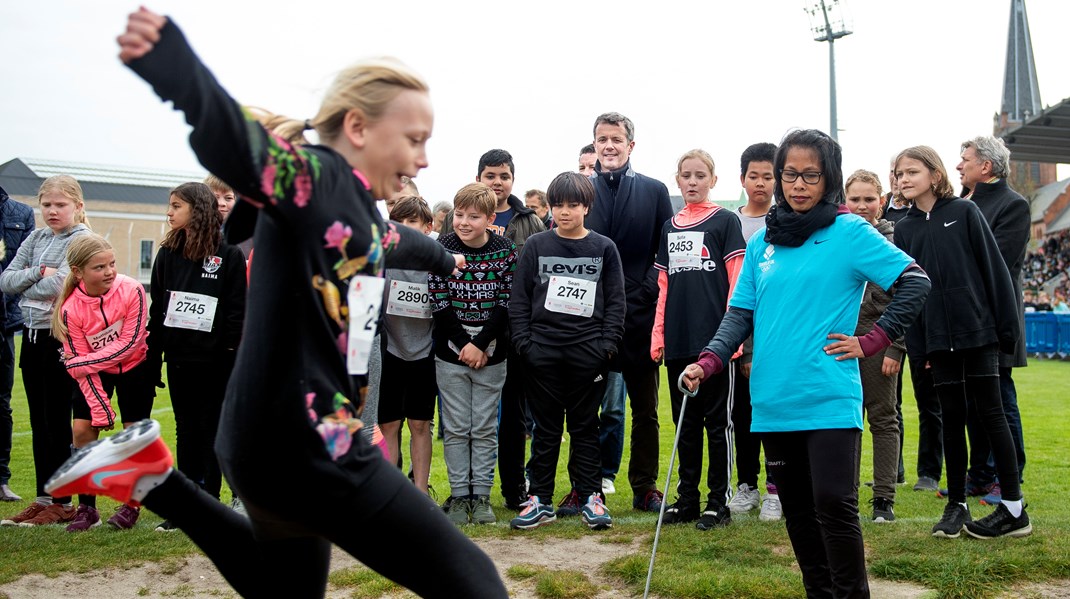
[{"x": 799, "y": 296}]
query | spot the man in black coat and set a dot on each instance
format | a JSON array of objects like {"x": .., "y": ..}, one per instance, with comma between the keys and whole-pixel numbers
[
  {"x": 983, "y": 170},
  {"x": 630, "y": 209},
  {"x": 16, "y": 224}
]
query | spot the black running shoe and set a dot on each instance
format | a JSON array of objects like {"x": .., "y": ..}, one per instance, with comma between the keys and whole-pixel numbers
[
  {"x": 679, "y": 512},
  {"x": 715, "y": 516},
  {"x": 951, "y": 523},
  {"x": 882, "y": 509},
  {"x": 1000, "y": 523}
]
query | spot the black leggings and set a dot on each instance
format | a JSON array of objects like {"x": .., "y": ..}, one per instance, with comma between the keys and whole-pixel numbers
[
  {"x": 815, "y": 476},
  {"x": 298, "y": 567},
  {"x": 49, "y": 393},
  {"x": 197, "y": 390},
  {"x": 972, "y": 376}
]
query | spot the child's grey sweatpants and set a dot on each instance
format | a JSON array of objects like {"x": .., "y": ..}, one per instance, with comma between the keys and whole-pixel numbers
[{"x": 470, "y": 424}]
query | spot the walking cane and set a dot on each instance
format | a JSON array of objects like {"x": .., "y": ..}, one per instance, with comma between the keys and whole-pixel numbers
[{"x": 668, "y": 479}]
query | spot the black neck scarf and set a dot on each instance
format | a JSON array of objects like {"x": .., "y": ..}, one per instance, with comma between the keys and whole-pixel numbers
[{"x": 784, "y": 226}]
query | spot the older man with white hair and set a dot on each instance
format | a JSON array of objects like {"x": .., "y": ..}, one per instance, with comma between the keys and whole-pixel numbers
[{"x": 983, "y": 170}]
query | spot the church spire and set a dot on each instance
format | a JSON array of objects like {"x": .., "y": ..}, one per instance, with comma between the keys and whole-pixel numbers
[{"x": 1021, "y": 93}]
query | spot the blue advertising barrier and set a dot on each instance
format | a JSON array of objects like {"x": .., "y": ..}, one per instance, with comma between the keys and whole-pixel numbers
[
  {"x": 1063, "y": 321},
  {"x": 1041, "y": 333}
]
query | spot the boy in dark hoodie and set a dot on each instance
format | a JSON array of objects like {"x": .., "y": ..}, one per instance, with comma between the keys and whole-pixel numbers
[{"x": 516, "y": 222}]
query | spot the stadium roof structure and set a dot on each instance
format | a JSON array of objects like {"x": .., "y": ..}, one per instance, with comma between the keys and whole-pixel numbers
[
  {"x": 1044, "y": 137},
  {"x": 1044, "y": 197},
  {"x": 23, "y": 177},
  {"x": 1059, "y": 224}
]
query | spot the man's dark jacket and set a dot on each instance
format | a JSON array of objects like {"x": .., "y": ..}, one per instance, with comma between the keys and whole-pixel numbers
[
  {"x": 17, "y": 221},
  {"x": 1008, "y": 215},
  {"x": 630, "y": 209}
]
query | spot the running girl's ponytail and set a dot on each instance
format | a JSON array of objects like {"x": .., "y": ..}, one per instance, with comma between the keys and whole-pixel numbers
[
  {"x": 291, "y": 130},
  {"x": 79, "y": 252},
  {"x": 69, "y": 187}
]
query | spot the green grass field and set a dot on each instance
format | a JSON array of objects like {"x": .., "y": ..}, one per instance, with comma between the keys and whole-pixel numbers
[{"x": 748, "y": 559}]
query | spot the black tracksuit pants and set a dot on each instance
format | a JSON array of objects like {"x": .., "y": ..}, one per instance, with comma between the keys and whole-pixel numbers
[
  {"x": 49, "y": 393},
  {"x": 565, "y": 385},
  {"x": 512, "y": 432},
  {"x": 710, "y": 410}
]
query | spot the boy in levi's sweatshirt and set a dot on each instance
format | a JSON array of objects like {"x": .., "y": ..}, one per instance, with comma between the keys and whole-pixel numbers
[
  {"x": 567, "y": 317},
  {"x": 699, "y": 257},
  {"x": 471, "y": 314}
]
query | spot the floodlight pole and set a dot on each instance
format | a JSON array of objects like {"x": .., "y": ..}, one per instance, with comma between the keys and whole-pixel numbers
[
  {"x": 828, "y": 35},
  {"x": 833, "y": 126}
]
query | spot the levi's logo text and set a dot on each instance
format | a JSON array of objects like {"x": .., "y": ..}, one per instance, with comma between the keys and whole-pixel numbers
[
  {"x": 211, "y": 265},
  {"x": 588, "y": 269}
]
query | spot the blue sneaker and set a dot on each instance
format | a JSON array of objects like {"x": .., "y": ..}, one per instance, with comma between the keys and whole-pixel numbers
[
  {"x": 994, "y": 496},
  {"x": 533, "y": 515},
  {"x": 650, "y": 502},
  {"x": 595, "y": 514}
]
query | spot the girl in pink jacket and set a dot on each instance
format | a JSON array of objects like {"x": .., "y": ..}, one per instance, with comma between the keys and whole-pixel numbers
[{"x": 102, "y": 326}]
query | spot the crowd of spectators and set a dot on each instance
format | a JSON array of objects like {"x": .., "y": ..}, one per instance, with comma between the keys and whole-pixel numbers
[{"x": 1051, "y": 259}]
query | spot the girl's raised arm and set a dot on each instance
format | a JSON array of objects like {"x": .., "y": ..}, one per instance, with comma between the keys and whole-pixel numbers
[{"x": 142, "y": 32}]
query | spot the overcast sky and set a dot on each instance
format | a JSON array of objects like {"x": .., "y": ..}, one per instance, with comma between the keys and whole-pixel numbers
[{"x": 531, "y": 77}]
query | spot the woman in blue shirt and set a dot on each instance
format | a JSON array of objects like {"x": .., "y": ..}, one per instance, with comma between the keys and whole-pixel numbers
[{"x": 799, "y": 292}]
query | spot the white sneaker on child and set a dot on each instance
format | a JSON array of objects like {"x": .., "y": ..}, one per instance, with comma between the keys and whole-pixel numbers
[
  {"x": 771, "y": 510},
  {"x": 608, "y": 487},
  {"x": 746, "y": 499}
]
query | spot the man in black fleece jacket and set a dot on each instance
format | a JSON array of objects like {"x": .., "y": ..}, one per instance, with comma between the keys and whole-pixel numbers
[
  {"x": 630, "y": 209},
  {"x": 983, "y": 171}
]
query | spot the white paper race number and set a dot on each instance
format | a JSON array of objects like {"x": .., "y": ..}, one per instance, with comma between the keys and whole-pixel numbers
[
  {"x": 567, "y": 295},
  {"x": 364, "y": 298},
  {"x": 409, "y": 299},
  {"x": 102, "y": 339},
  {"x": 191, "y": 311},
  {"x": 685, "y": 250}
]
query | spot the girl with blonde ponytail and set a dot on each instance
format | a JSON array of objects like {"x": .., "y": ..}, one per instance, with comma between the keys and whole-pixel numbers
[
  {"x": 101, "y": 320},
  {"x": 290, "y": 424},
  {"x": 37, "y": 273}
]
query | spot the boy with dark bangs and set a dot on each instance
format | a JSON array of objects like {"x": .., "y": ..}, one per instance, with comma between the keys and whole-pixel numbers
[{"x": 567, "y": 317}]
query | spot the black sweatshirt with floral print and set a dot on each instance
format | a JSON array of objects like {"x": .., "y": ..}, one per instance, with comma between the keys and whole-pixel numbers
[{"x": 321, "y": 247}]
